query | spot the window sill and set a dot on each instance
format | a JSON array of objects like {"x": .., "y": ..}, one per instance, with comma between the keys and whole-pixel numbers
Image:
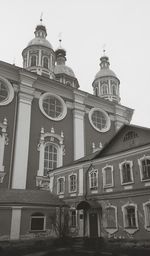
[
  {"x": 111, "y": 230},
  {"x": 131, "y": 230}
]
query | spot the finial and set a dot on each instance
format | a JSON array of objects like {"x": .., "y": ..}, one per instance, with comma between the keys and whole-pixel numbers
[
  {"x": 41, "y": 17},
  {"x": 104, "y": 49},
  {"x": 14, "y": 60},
  {"x": 60, "y": 39}
]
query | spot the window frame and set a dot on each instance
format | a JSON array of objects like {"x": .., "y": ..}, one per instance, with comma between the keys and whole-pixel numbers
[
  {"x": 105, "y": 185},
  {"x": 146, "y": 217},
  {"x": 130, "y": 230},
  {"x": 75, "y": 218},
  {"x": 58, "y": 190},
  {"x": 141, "y": 168},
  {"x": 111, "y": 230},
  {"x": 33, "y": 55},
  {"x": 91, "y": 186},
  {"x": 69, "y": 177},
  {"x": 56, "y": 147},
  {"x": 108, "y": 122},
  {"x": 131, "y": 172},
  {"x": 64, "y": 107},
  {"x": 10, "y": 91},
  {"x": 38, "y": 216},
  {"x": 43, "y": 62}
]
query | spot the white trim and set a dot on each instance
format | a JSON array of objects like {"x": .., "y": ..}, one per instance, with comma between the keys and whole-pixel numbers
[
  {"x": 146, "y": 224},
  {"x": 64, "y": 111},
  {"x": 128, "y": 229},
  {"x": 75, "y": 190},
  {"x": 38, "y": 217},
  {"x": 61, "y": 193},
  {"x": 108, "y": 122},
  {"x": 81, "y": 179},
  {"x": 22, "y": 140},
  {"x": 43, "y": 143},
  {"x": 10, "y": 90},
  {"x": 114, "y": 229},
  {"x": 105, "y": 185},
  {"x": 140, "y": 167},
  {"x": 131, "y": 172},
  {"x": 15, "y": 223},
  {"x": 78, "y": 133}
]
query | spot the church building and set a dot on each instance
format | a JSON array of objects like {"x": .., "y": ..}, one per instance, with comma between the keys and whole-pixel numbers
[{"x": 47, "y": 122}]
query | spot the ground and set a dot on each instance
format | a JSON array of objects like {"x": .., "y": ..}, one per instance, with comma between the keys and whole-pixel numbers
[{"x": 73, "y": 247}]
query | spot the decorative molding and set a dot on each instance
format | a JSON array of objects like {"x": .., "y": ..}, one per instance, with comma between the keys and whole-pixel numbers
[{"x": 10, "y": 91}]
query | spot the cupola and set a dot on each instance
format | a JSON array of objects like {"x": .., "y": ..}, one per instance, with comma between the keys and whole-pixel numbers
[
  {"x": 39, "y": 56},
  {"x": 106, "y": 84},
  {"x": 63, "y": 73}
]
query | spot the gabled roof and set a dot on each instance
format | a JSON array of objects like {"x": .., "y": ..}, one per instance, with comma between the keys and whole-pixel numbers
[
  {"x": 29, "y": 197},
  {"x": 128, "y": 137}
]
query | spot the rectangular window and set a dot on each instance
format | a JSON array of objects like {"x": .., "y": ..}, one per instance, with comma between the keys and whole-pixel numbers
[
  {"x": 108, "y": 176},
  {"x": 93, "y": 175},
  {"x": 73, "y": 183},
  {"x": 37, "y": 223},
  {"x": 148, "y": 215},
  {"x": 146, "y": 169},
  {"x": 110, "y": 217},
  {"x": 131, "y": 220},
  {"x": 73, "y": 218},
  {"x": 60, "y": 185}
]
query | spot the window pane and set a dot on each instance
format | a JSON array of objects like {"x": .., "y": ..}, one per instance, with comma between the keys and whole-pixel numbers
[
  {"x": 126, "y": 173},
  {"x": 37, "y": 223},
  {"x": 3, "y": 92},
  {"x": 99, "y": 119},
  {"x": 131, "y": 222},
  {"x": 52, "y": 106},
  {"x": 108, "y": 175},
  {"x": 111, "y": 219},
  {"x": 146, "y": 169}
]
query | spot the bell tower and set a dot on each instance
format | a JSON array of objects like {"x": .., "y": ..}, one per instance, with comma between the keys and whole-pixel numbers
[
  {"x": 39, "y": 56},
  {"x": 106, "y": 83}
]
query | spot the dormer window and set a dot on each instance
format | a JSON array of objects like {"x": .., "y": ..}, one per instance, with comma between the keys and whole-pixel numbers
[{"x": 33, "y": 60}]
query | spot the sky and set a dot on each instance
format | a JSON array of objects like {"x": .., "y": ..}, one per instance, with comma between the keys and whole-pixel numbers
[{"x": 86, "y": 26}]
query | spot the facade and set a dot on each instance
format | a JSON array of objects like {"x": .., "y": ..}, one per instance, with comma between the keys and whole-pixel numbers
[
  {"x": 109, "y": 191},
  {"x": 47, "y": 122}
]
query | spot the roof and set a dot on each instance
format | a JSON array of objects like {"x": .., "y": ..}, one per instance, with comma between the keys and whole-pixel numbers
[
  {"x": 105, "y": 72},
  {"x": 63, "y": 69},
  {"x": 29, "y": 197},
  {"x": 40, "y": 42}
]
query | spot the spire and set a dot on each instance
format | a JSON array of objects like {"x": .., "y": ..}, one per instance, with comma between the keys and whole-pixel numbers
[
  {"x": 60, "y": 54},
  {"x": 40, "y": 30}
]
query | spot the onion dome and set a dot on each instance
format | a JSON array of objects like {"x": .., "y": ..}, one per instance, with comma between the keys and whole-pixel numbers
[
  {"x": 106, "y": 84},
  {"x": 62, "y": 72},
  {"x": 39, "y": 56},
  {"x": 40, "y": 37}
]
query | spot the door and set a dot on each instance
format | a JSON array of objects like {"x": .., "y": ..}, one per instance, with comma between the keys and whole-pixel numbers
[{"x": 93, "y": 224}]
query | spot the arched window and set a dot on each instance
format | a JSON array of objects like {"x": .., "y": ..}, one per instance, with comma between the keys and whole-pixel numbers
[
  {"x": 111, "y": 217},
  {"x": 130, "y": 218},
  {"x": 114, "y": 89},
  {"x": 45, "y": 62},
  {"x": 104, "y": 89},
  {"x": 146, "y": 207},
  {"x": 72, "y": 183},
  {"x": 33, "y": 60},
  {"x": 50, "y": 158},
  {"x": 60, "y": 185},
  {"x": 93, "y": 179},
  {"x": 37, "y": 222},
  {"x": 126, "y": 172},
  {"x": 146, "y": 169},
  {"x": 107, "y": 176}
]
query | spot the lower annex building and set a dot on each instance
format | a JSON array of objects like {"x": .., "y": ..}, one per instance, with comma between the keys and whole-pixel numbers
[{"x": 47, "y": 122}]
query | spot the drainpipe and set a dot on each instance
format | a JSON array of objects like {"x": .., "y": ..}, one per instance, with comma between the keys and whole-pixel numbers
[
  {"x": 85, "y": 197},
  {"x": 13, "y": 140}
]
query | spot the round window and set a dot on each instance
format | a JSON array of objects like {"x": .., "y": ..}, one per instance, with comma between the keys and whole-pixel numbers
[
  {"x": 99, "y": 119},
  {"x": 6, "y": 92},
  {"x": 52, "y": 106}
]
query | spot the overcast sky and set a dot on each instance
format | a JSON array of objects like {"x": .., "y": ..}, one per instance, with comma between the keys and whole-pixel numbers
[{"x": 86, "y": 26}]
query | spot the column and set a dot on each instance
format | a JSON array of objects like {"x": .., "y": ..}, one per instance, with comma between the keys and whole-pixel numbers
[
  {"x": 15, "y": 223},
  {"x": 22, "y": 132}
]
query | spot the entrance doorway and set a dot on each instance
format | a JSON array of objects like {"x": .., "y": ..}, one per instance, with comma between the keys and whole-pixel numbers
[{"x": 93, "y": 224}]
